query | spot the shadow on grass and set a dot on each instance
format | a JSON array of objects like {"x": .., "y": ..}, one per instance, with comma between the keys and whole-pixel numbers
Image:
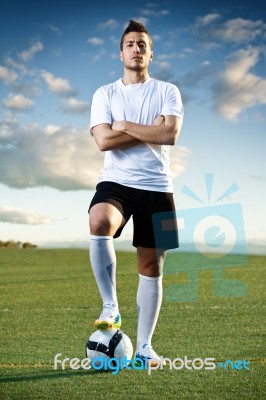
[{"x": 49, "y": 375}]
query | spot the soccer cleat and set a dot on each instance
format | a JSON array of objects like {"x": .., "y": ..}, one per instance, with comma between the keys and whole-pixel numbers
[
  {"x": 147, "y": 354},
  {"x": 109, "y": 318}
]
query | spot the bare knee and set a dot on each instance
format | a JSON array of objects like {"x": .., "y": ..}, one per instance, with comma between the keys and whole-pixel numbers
[
  {"x": 150, "y": 261},
  {"x": 100, "y": 226},
  {"x": 104, "y": 219},
  {"x": 152, "y": 269}
]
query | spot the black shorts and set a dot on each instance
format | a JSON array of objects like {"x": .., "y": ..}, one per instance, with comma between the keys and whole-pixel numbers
[{"x": 154, "y": 217}]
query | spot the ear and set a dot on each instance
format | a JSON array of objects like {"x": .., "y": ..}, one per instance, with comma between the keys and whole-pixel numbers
[
  {"x": 121, "y": 56},
  {"x": 151, "y": 56}
]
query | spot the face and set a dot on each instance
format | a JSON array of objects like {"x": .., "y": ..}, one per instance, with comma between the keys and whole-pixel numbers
[{"x": 136, "y": 53}]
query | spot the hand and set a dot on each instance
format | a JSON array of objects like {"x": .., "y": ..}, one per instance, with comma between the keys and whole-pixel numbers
[
  {"x": 118, "y": 126},
  {"x": 160, "y": 120}
]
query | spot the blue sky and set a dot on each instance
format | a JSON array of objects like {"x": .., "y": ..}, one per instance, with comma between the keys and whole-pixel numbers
[{"x": 54, "y": 56}]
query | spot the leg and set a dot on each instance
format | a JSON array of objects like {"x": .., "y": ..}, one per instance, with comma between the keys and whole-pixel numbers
[
  {"x": 150, "y": 261},
  {"x": 149, "y": 295},
  {"x": 105, "y": 219},
  {"x": 150, "y": 264}
]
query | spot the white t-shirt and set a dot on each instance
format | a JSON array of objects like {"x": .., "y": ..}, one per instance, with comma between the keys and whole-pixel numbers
[{"x": 144, "y": 166}]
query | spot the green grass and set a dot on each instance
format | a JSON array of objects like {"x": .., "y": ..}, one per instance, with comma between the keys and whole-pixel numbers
[{"x": 49, "y": 300}]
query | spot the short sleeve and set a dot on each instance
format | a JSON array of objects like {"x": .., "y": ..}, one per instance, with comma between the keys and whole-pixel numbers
[
  {"x": 100, "y": 109},
  {"x": 173, "y": 103}
]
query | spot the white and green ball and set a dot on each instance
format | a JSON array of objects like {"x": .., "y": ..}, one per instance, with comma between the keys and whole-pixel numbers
[{"x": 110, "y": 344}]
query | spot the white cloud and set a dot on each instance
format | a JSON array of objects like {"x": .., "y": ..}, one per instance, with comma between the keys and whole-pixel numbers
[
  {"x": 163, "y": 65},
  {"x": 114, "y": 56},
  {"x": 8, "y": 125},
  {"x": 207, "y": 19},
  {"x": 7, "y": 76},
  {"x": 20, "y": 67},
  {"x": 153, "y": 13},
  {"x": 54, "y": 29},
  {"x": 235, "y": 31},
  {"x": 178, "y": 156},
  {"x": 60, "y": 157},
  {"x": 16, "y": 215},
  {"x": 238, "y": 88},
  {"x": 59, "y": 86},
  {"x": 74, "y": 106},
  {"x": 200, "y": 72},
  {"x": 110, "y": 24},
  {"x": 28, "y": 88},
  {"x": 17, "y": 102},
  {"x": 239, "y": 30},
  {"x": 143, "y": 20},
  {"x": 156, "y": 37},
  {"x": 51, "y": 129},
  {"x": 115, "y": 40},
  {"x": 98, "y": 56},
  {"x": 28, "y": 54},
  {"x": 95, "y": 41},
  {"x": 162, "y": 61}
]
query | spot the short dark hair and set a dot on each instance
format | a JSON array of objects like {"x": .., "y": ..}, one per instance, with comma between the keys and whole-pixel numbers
[{"x": 134, "y": 26}]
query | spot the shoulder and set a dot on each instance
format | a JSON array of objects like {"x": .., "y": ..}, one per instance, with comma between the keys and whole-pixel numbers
[
  {"x": 166, "y": 88},
  {"x": 164, "y": 85},
  {"x": 110, "y": 87}
]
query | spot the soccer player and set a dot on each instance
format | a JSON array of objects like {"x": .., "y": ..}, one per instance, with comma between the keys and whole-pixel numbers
[{"x": 134, "y": 121}]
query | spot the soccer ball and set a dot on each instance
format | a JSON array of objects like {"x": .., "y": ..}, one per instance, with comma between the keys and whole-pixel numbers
[{"x": 107, "y": 347}]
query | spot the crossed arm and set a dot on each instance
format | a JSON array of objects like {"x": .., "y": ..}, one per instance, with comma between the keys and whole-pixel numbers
[{"x": 124, "y": 134}]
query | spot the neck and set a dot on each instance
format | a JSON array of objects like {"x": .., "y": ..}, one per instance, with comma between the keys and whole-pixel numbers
[{"x": 135, "y": 77}]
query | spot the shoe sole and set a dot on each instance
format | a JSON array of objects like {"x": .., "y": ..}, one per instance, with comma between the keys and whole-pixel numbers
[
  {"x": 105, "y": 325},
  {"x": 151, "y": 362}
]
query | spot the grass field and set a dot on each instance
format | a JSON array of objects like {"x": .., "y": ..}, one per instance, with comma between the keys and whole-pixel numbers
[{"x": 49, "y": 301}]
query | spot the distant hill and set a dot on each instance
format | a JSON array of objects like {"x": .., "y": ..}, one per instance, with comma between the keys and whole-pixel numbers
[{"x": 12, "y": 244}]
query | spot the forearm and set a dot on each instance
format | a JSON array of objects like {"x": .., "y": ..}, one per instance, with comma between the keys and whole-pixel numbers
[
  {"x": 153, "y": 134},
  {"x": 119, "y": 141},
  {"x": 108, "y": 139},
  {"x": 164, "y": 131}
]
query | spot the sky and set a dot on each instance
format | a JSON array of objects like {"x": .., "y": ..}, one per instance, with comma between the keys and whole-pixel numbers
[{"x": 52, "y": 59}]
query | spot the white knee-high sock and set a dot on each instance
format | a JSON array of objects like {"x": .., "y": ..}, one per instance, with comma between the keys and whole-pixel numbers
[
  {"x": 149, "y": 299},
  {"x": 103, "y": 262}
]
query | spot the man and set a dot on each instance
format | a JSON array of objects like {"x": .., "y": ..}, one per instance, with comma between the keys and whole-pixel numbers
[{"x": 134, "y": 120}]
